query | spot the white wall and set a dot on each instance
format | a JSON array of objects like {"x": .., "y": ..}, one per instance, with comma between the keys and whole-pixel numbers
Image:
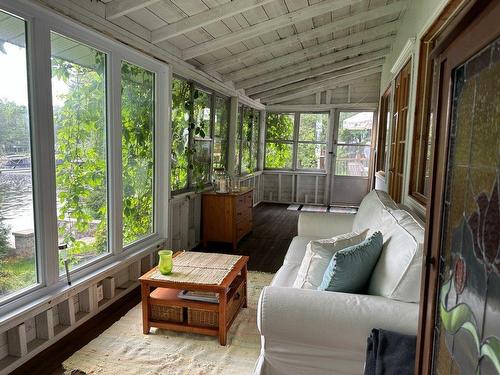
[{"x": 417, "y": 19}]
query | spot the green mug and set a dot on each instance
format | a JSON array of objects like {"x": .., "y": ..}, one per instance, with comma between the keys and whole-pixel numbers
[{"x": 166, "y": 264}]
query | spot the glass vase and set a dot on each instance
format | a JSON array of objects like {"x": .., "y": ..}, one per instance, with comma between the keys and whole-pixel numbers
[{"x": 165, "y": 264}]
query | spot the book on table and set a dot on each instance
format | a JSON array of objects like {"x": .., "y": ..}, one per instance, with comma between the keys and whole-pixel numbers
[{"x": 211, "y": 297}]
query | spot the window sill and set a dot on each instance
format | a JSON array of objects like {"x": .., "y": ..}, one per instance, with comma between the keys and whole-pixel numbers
[{"x": 13, "y": 313}]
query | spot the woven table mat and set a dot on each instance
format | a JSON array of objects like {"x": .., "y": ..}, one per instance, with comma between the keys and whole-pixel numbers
[{"x": 199, "y": 268}]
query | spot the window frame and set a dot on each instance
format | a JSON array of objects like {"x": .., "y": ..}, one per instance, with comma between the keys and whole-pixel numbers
[
  {"x": 295, "y": 141},
  {"x": 422, "y": 137},
  {"x": 254, "y": 154},
  {"x": 40, "y": 21},
  {"x": 360, "y": 145},
  {"x": 189, "y": 187},
  {"x": 383, "y": 132}
]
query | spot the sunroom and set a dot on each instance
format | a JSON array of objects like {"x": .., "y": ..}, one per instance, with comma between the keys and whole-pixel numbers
[{"x": 249, "y": 187}]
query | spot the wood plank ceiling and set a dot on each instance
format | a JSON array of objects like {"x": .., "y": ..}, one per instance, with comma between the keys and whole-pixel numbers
[{"x": 274, "y": 50}]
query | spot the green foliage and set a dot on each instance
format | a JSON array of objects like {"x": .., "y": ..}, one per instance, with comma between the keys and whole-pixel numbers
[
  {"x": 14, "y": 128},
  {"x": 137, "y": 151},
  {"x": 279, "y": 127},
  {"x": 191, "y": 154},
  {"x": 180, "y": 134},
  {"x": 4, "y": 231},
  {"x": 81, "y": 155},
  {"x": 16, "y": 274}
]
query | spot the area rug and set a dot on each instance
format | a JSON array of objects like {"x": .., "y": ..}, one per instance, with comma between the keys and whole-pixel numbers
[{"x": 124, "y": 349}]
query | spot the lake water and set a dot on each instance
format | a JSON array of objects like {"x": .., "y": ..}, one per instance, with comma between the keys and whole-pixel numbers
[{"x": 16, "y": 202}]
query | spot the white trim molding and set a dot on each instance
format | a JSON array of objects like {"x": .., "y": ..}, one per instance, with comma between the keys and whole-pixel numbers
[{"x": 405, "y": 54}]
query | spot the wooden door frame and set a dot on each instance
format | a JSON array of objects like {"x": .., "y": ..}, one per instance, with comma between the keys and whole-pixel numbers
[{"x": 469, "y": 17}]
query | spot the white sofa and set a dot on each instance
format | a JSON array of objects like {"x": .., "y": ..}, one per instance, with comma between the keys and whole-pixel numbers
[{"x": 319, "y": 332}]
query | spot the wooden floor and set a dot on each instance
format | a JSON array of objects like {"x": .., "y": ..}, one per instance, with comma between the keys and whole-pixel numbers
[{"x": 274, "y": 228}]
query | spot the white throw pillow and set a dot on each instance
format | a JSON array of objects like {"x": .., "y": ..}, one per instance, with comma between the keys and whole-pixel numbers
[
  {"x": 398, "y": 270},
  {"x": 318, "y": 255}
]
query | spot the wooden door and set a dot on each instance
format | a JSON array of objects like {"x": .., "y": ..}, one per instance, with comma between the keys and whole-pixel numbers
[
  {"x": 398, "y": 137},
  {"x": 459, "y": 330}
]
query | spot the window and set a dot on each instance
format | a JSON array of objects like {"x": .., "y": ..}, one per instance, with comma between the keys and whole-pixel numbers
[
  {"x": 237, "y": 151},
  {"x": 181, "y": 95},
  {"x": 383, "y": 131},
  {"x": 138, "y": 119},
  {"x": 18, "y": 265},
  {"x": 422, "y": 133},
  {"x": 202, "y": 157},
  {"x": 279, "y": 141},
  {"x": 79, "y": 107},
  {"x": 200, "y": 123},
  {"x": 300, "y": 136},
  {"x": 311, "y": 148},
  {"x": 248, "y": 137},
  {"x": 255, "y": 140},
  {"x": 79, "y": 163},
  {"x": 221, "y": 125},
  {"x": 353, "y": 144},
  {"x": 399, "y": 128}
]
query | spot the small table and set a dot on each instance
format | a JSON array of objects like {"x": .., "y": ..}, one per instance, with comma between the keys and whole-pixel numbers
[{"x": 194, "y": 271}]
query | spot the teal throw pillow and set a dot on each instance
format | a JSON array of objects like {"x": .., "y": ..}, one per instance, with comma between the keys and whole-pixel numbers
[{"x": 351, "y": 268}]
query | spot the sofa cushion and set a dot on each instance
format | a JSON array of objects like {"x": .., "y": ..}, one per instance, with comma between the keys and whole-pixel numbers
[
  {"x": 351, "y": 268},
  {"x": 397, "y": 273},
  {"x": 372, "y": 212},
  {"x": 297, "y": 249},
  {"x": 318, "y": 255}
]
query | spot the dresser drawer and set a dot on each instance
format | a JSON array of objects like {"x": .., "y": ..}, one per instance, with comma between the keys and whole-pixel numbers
[{"x": 243, "y": 227}]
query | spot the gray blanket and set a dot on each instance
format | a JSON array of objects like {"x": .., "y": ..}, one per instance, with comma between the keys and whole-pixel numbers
[{"x": 389, "y": 353}]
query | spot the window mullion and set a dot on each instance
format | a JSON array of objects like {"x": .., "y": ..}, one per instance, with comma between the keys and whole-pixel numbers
[
  {"x": 114, "y": 164},
  {"x": 43, "y": 156},
  {"x": 161, "y": 146},
  {"x": 296, "y": 124}
]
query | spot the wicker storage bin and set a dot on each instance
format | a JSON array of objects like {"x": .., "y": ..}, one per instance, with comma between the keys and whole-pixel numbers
[
  {"x": 162, "y": 313},
  {"x": 204, "y": 318}
]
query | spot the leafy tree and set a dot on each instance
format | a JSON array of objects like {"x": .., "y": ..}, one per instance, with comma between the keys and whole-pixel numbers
[
  {"x": 14, "y": 128},
  {"x": 279, "y": 128},
  {"x": 137, "y": 151},
  {"x": 180, "y": 134},
  {"x": 4, "y": 231},
  {"x": 81, "y": 155}
]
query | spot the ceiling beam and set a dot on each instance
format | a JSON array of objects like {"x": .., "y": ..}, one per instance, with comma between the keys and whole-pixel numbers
[
  {"x": 314, "y": 88},
  {"x": 119, "y": 8},
  {"x": 205, "y": 18},
  {"x": 266, "y": 26},
  {"x": 314, "y": 63},
  {"x": 321, "y": 78},
  {"x": 337, "y": 25},
  {"x": 302, "y": 54},
  {"x": 318, "y": 107},
  {"x": 317, "y": 71}
]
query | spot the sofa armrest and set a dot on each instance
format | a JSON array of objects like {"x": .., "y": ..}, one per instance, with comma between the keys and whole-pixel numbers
[
  {"x": 324, "y": 225},
  {"x": 330, "y": 319}
]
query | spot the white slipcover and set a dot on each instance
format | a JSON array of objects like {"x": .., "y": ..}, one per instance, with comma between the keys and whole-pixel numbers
[{"x": 319, "y": 332}]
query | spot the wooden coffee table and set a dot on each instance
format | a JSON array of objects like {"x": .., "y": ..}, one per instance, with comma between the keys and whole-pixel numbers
[{"x": 162, "y": 308}]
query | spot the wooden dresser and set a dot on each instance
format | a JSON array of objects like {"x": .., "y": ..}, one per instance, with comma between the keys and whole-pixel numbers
[{"x": 227, "y": 217}]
